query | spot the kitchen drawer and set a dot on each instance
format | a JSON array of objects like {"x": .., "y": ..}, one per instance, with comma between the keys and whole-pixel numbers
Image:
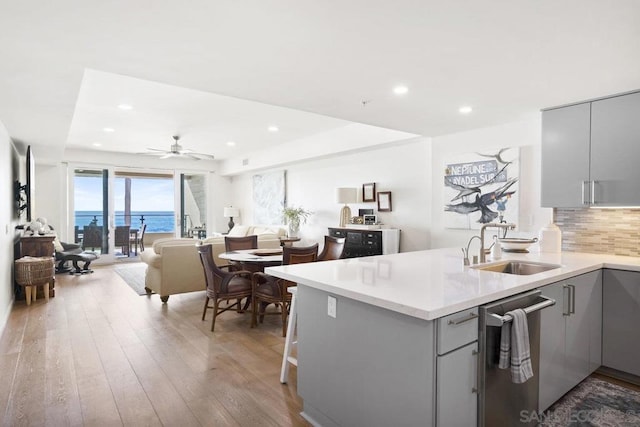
[{"x": 457, "y": 329}]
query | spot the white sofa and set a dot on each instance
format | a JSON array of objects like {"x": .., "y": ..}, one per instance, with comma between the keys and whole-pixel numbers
[{"x": 173, "y": 264}]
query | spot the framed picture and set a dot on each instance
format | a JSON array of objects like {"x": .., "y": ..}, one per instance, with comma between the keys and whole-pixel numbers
[
  {"x": 369, "y": 192},
  {"x": 384, "y": 201}
]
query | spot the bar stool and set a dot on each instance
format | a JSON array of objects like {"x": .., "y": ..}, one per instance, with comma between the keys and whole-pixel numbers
[
  {"x": 290, "y": 341},
  {"x": 31, "y": 272}
]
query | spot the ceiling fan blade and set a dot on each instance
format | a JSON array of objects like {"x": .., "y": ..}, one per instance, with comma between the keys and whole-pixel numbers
[
  {"x": 153, "y": 153},
  {"x": 156, "y": 149},
  {"x": 167, "y": 155},
  {"x": 191, "y": 156},
  {"x": 204, "y": 156}
]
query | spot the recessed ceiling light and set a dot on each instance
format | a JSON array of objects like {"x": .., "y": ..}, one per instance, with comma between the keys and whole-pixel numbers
[
  {"x": 465, "y": 109},
  {"x": 97, "y": 144},
  {"x": 273, "y": 128},
  {"x": 108, "y": 130},
  {"x": 231, "y": 143},
  {"x": 125, "y": 107},
  {"x": 400, "y": 90}
]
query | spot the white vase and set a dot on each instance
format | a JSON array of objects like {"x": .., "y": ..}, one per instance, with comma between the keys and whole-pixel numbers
[{"x": 551, "y": 239}]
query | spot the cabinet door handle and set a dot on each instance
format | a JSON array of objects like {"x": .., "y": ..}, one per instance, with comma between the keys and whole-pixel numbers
[
  {"x": 471, "y": 316},
  {"x": 593, "y": 192},
  {"x": 572, "y": 309},
  {"x": 584, "y": 199},
  {"x": 566, "y": 300},
  {"x": 474, "y": 389}
]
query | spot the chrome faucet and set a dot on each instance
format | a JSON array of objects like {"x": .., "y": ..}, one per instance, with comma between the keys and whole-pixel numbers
[{"x": 502, "y": 225}]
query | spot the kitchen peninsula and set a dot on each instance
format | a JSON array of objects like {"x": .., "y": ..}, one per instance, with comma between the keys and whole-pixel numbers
[{"x": 382, "y": 359}]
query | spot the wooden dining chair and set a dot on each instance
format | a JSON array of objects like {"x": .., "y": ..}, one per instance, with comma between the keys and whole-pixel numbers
[
  {"x": 222, "y": 285},
  {"x": 333, "y": 248},
  {"x": 272, "y": 290},
  {"x": 92, "y": 237},
  {"x": 122, "y": 239},
  {"x": 139, "y": 237},
  {"x": 240, "y": 243}
]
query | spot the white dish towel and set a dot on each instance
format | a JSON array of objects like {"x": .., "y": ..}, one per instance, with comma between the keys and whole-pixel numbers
[{"x": 514, "y": 347}]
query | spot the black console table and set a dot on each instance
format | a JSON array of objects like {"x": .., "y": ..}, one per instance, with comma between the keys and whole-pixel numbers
[{"x": 363, "y": 242}]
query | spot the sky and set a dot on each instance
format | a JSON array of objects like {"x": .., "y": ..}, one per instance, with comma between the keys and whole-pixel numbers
[{"x": 146, "y": 194}]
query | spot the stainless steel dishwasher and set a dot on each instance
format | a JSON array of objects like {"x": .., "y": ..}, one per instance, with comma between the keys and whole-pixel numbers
[{"x": 501, "y": 402}]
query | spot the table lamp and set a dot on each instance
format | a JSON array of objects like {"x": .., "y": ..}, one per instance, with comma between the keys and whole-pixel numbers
[
  {"x": 230, "y": 212},
  {"x": 346, "y": 196}
]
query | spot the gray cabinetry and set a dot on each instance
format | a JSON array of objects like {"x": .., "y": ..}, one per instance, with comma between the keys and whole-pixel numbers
[
  {"x": 457, "y": 397},
  {"x": 621, "y": 320},
  {"x": 589, "y": 153},
  {"x": 615, "y": 150},
  {"x": 457, "y": 369},
  {"x": 366, "y": 367},
  {"x": 565, "y": 156},
  {"x": 570, "y": 335}
]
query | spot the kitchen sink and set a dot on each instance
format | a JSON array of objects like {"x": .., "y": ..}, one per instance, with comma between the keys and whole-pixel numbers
[{"x": 521, "y": 268}]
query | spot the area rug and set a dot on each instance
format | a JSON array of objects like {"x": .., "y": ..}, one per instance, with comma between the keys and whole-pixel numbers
[
  {"x": 133, "y": 275},
  {"x": 595, "y": 402}
]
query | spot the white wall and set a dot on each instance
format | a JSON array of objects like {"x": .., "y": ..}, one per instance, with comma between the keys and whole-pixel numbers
[
  {"x": 402, "y": 168},
  {"x": 9, "y": 170},
  {"x": 524, "y": 134}
]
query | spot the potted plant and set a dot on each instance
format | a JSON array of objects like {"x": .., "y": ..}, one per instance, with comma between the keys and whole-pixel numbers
[{"x": 293, "y": 217}]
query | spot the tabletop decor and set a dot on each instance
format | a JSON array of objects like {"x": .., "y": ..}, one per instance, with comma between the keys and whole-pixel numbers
[
  {"x": 293, "y": 217},
  {"x": 345, "y": 195}
]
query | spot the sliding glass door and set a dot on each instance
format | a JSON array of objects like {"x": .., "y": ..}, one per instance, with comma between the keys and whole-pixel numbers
[
  {"x": 193, "y": 205},
  {"x": 91, "y": 210},
  {"x": 112, "y": 206}
]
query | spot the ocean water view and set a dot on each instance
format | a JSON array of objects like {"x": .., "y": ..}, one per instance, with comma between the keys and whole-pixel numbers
[{"x": 157, "y": 221}]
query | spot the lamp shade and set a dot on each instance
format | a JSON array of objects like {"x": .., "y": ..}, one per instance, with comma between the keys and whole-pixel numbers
[
  {"x": 231, "y": 212},
  {"x": 346, "y": 195}
]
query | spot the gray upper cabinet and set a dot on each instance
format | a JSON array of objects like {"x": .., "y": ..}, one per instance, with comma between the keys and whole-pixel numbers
[
  {"x": 615, "y": 150},
  {"x": 565, "y": 156},
  {"x": 589, "y": 152}
]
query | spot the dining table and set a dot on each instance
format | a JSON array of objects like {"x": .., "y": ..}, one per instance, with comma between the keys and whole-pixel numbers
[{"x": 254, "y": 259}]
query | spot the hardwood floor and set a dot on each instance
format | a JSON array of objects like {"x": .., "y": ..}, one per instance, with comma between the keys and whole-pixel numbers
[{"x": 99, "y": 354}]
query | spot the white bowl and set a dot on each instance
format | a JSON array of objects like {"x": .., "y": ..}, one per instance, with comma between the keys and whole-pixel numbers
[{"x": 516, "y": 244}]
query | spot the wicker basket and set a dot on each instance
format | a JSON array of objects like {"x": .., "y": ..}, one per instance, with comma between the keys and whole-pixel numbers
[{"x": 33, "y": 271}]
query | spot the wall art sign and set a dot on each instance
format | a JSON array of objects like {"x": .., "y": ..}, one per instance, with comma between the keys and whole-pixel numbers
[{"x": 481, "y": 187}]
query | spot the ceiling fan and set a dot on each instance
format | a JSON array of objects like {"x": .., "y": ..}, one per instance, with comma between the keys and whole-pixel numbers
[{"x": 178, "y": 151}]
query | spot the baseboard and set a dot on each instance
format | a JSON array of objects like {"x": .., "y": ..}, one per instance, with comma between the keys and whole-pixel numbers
[
  {"x": 620, "y": 375},
  {"x": 7, "y": 313}
]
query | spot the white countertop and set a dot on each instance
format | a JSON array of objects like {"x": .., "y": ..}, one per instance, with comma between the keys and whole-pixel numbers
[{"x": 434, "y": 283}]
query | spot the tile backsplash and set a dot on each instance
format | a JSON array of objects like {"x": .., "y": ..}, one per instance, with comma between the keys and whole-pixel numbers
[{"x": 609, "y": 231}]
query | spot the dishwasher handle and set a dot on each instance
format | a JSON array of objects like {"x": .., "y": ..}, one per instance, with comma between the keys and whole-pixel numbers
[{"x": 494, "y": 319}]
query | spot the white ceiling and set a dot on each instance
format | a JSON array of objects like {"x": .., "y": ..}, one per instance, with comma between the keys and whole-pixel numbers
[{"x": 506, "y": 58}]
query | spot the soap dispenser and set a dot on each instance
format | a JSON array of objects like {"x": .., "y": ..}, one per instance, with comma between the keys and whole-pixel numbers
[
  {"x": 496, "y": 249},
  {"x": 550, "y": 238}
]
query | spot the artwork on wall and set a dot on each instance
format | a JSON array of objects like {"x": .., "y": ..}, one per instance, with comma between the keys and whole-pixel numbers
[
  {"x": 384, "y": 201},
  {"x": 269, "y": 191},
  {"x": 481, "y": 187},
  {"x": 369, "y": 192}
]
